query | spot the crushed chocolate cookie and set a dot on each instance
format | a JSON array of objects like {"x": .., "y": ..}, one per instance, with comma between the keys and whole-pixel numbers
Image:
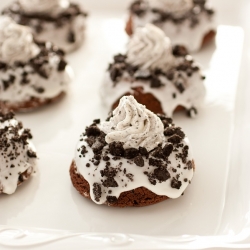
[
  {"x": 176, "y": 184},
  {"x": 168, "y": 149},
  {"x": 97, "y": 121},
  {"x": 111, "y": 199},
  {"x": 179, "y": 51},
  {"x": 175, "y": 139},
  {"x": 110, "y": 182},
  {"x": 83, "y": 151},
  {"x": 143, "y": 151},
  {"x": 161, "y": 174},
  {"x": 31, "y": 154},
  {"x": 189, "y": 165},
  {"x": 158, "y": 153},
  {"x": 97, "y": 190},
  {"x": 174, "y": 131},
  {"x": 92, "y": 131},
  {"x": 130, "y": 177},
  {"x": 155, "y": 162},
  {"x": 138, "y": 160},
  {"x": 116, "y": 148},
  {"x": 131, "y": 153}
]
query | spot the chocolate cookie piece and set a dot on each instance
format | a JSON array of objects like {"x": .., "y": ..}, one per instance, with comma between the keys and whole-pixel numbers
[{"x": 138, "y": 197}]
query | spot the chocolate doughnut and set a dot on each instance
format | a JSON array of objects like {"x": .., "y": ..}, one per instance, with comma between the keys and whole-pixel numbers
[
  {"x": 17, "y": 153},
  {"x": 60, "y": 22},
  {"x": 135, "y": 158},
  {"x": 186, "y": 22},
  {"x": 162, "y": 77},
  {"x": 33, "y": 74}
]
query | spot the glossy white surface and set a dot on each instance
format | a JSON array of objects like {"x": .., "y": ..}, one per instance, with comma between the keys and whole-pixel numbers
[{"x": 215, "y": 210}]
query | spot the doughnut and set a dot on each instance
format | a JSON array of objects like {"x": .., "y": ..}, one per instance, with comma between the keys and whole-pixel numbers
[
  {"x": 18, "y": 155},
  {"x": 190, "y": 23},
  {"x": 162, "y": 77},
  {"x": 135, "y": 158},
  {"x": 33, "y": 74},
  {"x": 59, "y": 21}
]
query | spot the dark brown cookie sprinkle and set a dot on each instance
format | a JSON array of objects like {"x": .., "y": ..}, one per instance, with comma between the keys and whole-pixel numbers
[
  {"x": 31, "y": 154},
  {"x": 155, "y": 162},
  {"x": 138, "y": 160},
  {"x": 189, "y": 165},
  {"x": 143, "y": 151},
  {"x": 116, "y": 148},
  {"x": 161, "y": 174},
  {"x": 92, "y": 131},
  {"x": 175, "y": 139},
  {"x": 111, "y": 199},
  {"x": 131, "y": 153},
  {"x": 168, "y": 149},
  {"x": 97, "y": 190},
  {"x": 176, "y": 184}
]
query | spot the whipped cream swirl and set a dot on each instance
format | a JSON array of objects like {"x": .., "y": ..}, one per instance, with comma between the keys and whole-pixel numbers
[
  {"x": 176, "y": 7},
  {"x": 16, "y": 42},
  {"x": 150, "y": 48},
  {"x": 134, "y": 125},
  {"x": 43, "y": 6}
]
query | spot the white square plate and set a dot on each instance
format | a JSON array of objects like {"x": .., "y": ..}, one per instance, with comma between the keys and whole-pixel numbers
[{"x": 48, "y": 213}]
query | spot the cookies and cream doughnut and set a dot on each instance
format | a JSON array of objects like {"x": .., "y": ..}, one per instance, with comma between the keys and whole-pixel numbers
[
  {"x": 189, "y": 23},
  {"x": 161, "y": 76},
  {"x": 58, "y": 21},
  {"x": 17, "y": 153},
  {"x": 134, "y": 158},
  {"x": 32, "y": 74}
]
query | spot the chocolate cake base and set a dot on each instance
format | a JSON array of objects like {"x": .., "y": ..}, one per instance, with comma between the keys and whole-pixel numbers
[
  {"x": 138, "y": 197},
  {"x": 32, "y": 104},
  {"x": 208, "y": 37},
  {"x": 147, "y": 99}
]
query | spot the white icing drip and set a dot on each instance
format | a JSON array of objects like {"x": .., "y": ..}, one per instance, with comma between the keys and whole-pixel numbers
[
  {"x": 193, "y": 96},
  {"x": 93, "y": 173},
  {"x": 44, "y": 6},
  {"x": 9, "y": 175},
  {"x": 176, "y": 7},
  {"x": 183, "y": 33},
  {"x": 150, "y": 48},
  {"x": 16, "y": 42},
  {"x": 59, "y": 35},
  {"x": 56, "y": 83},
  {"x": 134, "y": 125}
]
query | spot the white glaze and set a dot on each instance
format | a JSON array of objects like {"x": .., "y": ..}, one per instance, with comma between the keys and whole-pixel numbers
[
  {"x": 92, "y": 174},
  {"x": 193, "y": 96},
  {"x": 44, "y": 6},
  {"x": 16, "y": 42},
  {"x": 50, "y": 32},
  {"x": 57, "y": 82},
  {"x": 180, "y": 34},
  {"x": 150, "y": 48},
  {"x": 177, "y": 7},
  {"x": 134, "y": 125},
  {"x": 22, "y": 162},
  {"x": 59, "y": 35}
]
